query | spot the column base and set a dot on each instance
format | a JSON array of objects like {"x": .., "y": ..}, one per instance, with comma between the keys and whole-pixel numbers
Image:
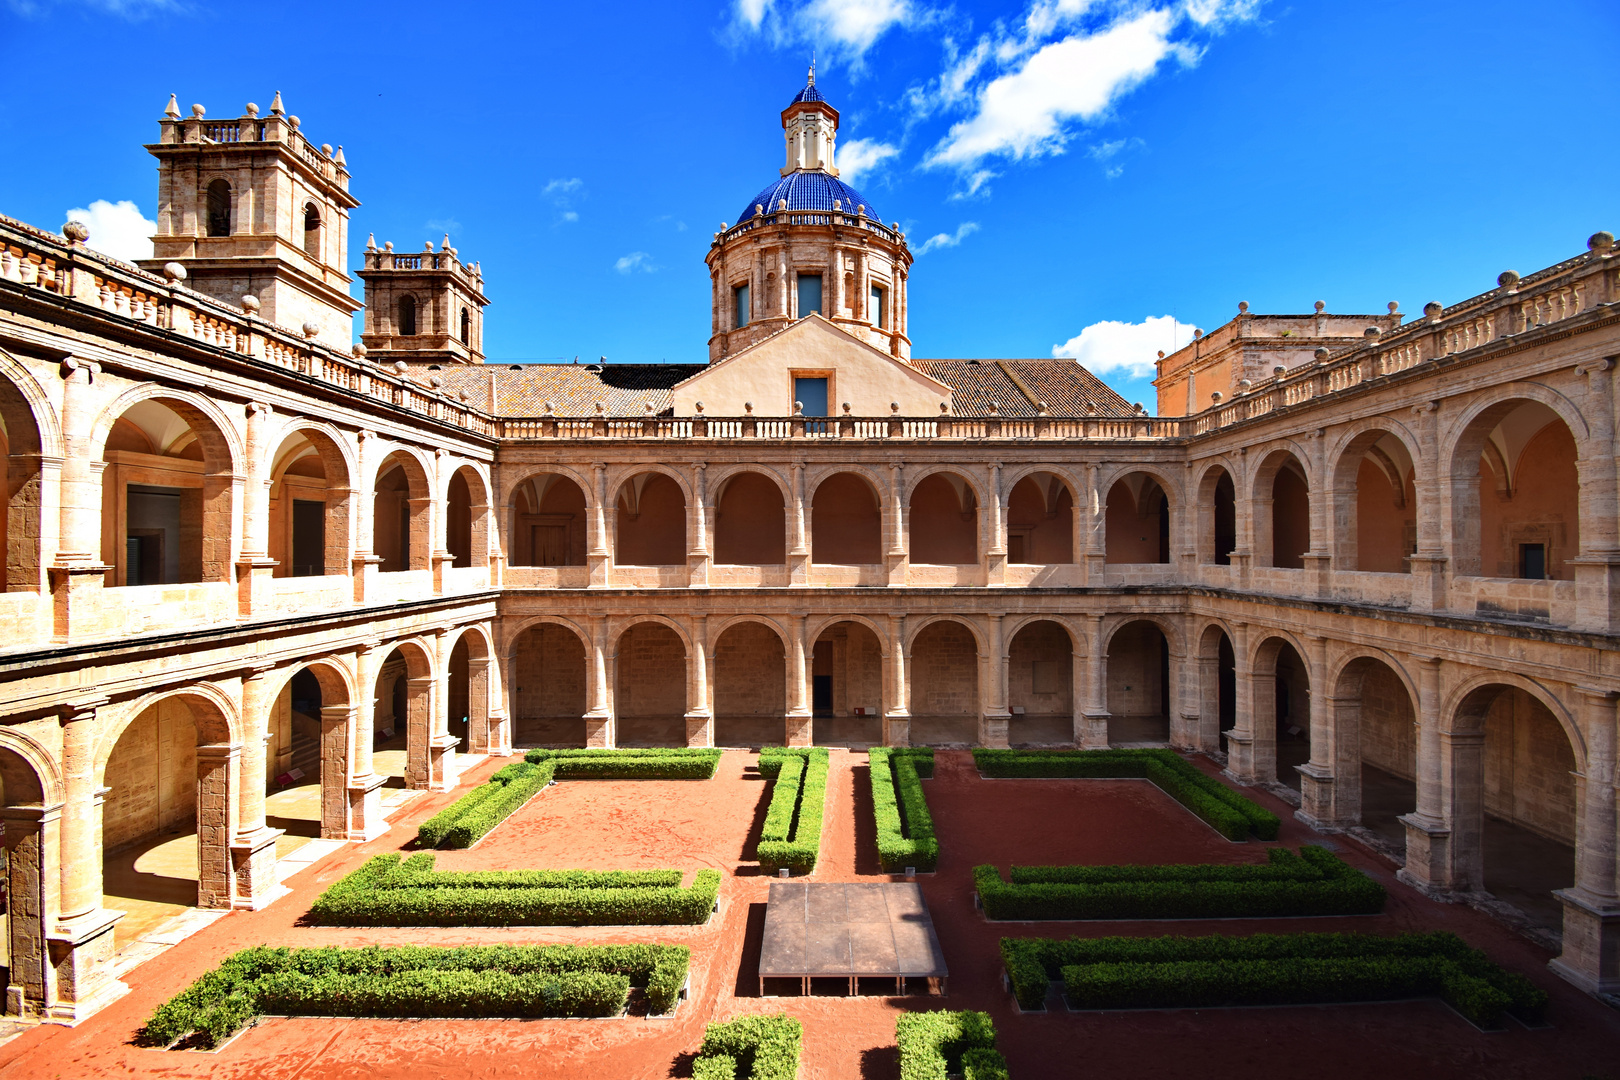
[
  {"x": 255, "y": 578},
  {"x": 253, "y": 870},
  {"x": 798, "y": 564},
  {"x": 442, "y": 774},
  {"x": 1318, "y": 792},
  {"x": 500, "y": 735},
  {"x": 996, "y": 569},
  {"x": 699, "y": 729},
  {"x": 1591, "y": 956},
  {"x": 1242, "y": 760},
  {"x": 800, "y": 729},
  {"x": 1092, "y": 731},
  {"x": 898, "y": 565},
  {"x": 897, "y": 729},
  {"x": 365, "y": 808},
  {"x": 993, "y": 729},
  {"x": 76, "y": 600},
  {"x": 81, "y": 955},
  {"x": 598, "y": 570},
  {"x": 1428, "y": 856},
  {"x": 363, "y": 569},
  {"x": 600, "y": 733}
]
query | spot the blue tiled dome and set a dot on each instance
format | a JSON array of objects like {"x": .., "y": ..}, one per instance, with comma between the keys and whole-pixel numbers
[
  {"x": 808, "y": 190},
  {"x": 809, "y": 93}
]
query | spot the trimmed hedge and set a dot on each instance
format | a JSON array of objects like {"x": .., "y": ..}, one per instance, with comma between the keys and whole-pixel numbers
[
  {"x": 792, "y": 836},
  {"x": 464, "y": 821},
  {"x": 905, "y": 829},
  {"x": 933, "y": 1045},
  {"x": 388, "y": 892},
  {"x": 1186, "y": 972},
  {"x": 677, "y": 763},
  {"x": 420, "y": 981},
  {"x": 1227, "y": 812},
  {"x": 1314, "y": 882},
  {"x": 750, "y": 1048}
]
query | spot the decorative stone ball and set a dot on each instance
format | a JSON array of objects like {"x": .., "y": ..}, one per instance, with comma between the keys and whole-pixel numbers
[
  {"x": 1600, "y": 241},
  {"x": 311, "y": 328},
  {"x": 798, "y": 408},
  {"x": 1141, "y": 410},
  {"x": 77, "y": 231},
  {"x": 1321, "y": 306},
  {"x": 1197, "y": 333},
  {"x": 894, "y": 406},
  {"x": 252, "y": 110},
  {"x": 944, "y": 407},
  {"x": 1279, "y": 371},
  {"x": 846, "y": 408},
  {"x": 326, "y": 148},
  {"x": 1040, "y": 407},
  {"x": 198, "y": 111},
  {"x": 599, "y": 409},
  {"x": 548, "y": 409},
  {"x": 1243, "y": 307},
  {"x": 1433, "y": 309},
  {"x": 400, "y": 366},
  {"x": 698, "y": 406},
  {"x": 293, "y": 122},
  {"x": 748, "y": 407},
  {"x": 1507, "y": 278},
  {"x": 174, "y": 271},
  {"x": 1215, "y": 398},
  {"x": 1394, "y": 306},
  {"x": 435, "y": 382},
  {"x": 647, "y": 406},
  {"x": 358, "y": 350},
  {"x": 1321, "y": 354},
  {"x": 250, "y": 304},
  {"x": 994, "y": 408},
  {"x": 1371, "y": 333},
  {"x": 461, "y": 396}
]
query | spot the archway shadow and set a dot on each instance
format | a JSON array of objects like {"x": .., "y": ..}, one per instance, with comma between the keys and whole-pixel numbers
[
  {"x": 880, "y": 1063},
  {"x": 866, "y": 853},
  {"x": 747, "y": 984},
  {"x": 756, "y": 829}
]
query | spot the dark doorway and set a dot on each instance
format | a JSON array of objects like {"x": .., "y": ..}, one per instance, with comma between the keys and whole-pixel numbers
[{"x": 309, "y": 538}]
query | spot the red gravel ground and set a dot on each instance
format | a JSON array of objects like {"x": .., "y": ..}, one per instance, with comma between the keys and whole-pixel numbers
[{"x": 623, "y": 824}]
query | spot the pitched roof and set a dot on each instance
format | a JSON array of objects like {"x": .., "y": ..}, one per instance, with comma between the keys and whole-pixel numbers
[{"x": 1016, "y": 386}]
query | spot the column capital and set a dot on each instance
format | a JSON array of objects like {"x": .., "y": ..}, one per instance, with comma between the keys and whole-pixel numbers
[
  {"x": 80, "y": 709},
  {"x": 1597, "y": 693}
]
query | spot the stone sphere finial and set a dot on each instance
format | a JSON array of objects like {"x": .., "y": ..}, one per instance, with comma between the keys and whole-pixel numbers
[
  {"x": 1197, "y": 333},
  {"x": 1507, "y": 279},
  {"x": 798, "y": 408},
  {"x": 1600, "y": 242},
  {"x": 748, "y": 407},
  {"x": 1243, "y": 307},
  {"x": 294, "y": 123},
  {"x": 435, "y": 381},
  {"x": 358, "y": 351},
  {"x": 1371, "y": 333},
  {"x": 1161, "y": 354},
  {"x": 994, "y": 408},
  {"x": 174, "y": 271},
  {"x": 1321, "y": 355},
  {"x": 401, "y": 366},
  {"x": 250, "y": 304},
  {"x": 198, "y": 111},
  {"x": 1394, "y": 306},
  {"x": 1215, "y": 398},
  {"x": 1040, "y": 407},
  {"x": 894, "y": 406},
  {"x": 647, "y": 407},
  {"x": 326, "y": 148},
  {"x": 1321, "y": 306},
  {"x": 846, "y": 408},
  {"x": 944, "y": 407},
  {"x": 76, "y": 231},
  {"x": 311, "y": 328},
  {"x": 1279, "y": 371},
  {"x": 600, "y": 410},
  {"x": 252, "y": 110},
  {"x": 698, "y": 406},
  {"x": 1433, "y": 309}
]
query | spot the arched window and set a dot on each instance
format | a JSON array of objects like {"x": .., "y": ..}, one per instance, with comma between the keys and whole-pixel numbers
[
  {"x": 466, "y": 327},
  {"x": 219, "y": 208},
  {"x": 407, "y": 316},
  {"x": 312, "y": 231}
]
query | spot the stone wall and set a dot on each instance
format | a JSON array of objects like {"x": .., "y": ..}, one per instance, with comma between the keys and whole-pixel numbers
[
  {"x": 151, "y": 777},
  {"x": 1388, "y": 724},
  {"x": 750, "y": 672},
  {"x": 750, "y": 523},
  {"x": 651, "y": 674},
  {"x": 945, "y": 671},
  {"x": 850, "y": 653},
  {"x": 1528, "y": 762},
  {"x": 548, "y": 674},
  {"x": 1040, "y": 671},
  {"x": 1136, "y": 671}
]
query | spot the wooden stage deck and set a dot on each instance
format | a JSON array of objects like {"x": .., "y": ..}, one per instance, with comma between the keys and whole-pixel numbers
[{"x": 878, "y": 930}]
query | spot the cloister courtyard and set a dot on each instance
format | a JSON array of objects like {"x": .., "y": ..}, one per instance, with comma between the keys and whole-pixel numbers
[{"x": 716, "y": 823}]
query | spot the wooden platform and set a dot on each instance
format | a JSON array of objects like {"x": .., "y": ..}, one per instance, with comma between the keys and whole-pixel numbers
[{"x": 849, "y": 931}]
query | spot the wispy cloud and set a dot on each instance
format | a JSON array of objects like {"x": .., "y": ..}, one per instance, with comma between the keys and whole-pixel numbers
[
  {"x": 845, "y": 29},
  {"x": 948, "y": 240},
  {"x": 444, "y": 224},
  {"x": 636, "y": 261},
  {"x": 858, "y": 157},
  {"x": 118, "y": 229},
  {"x": 564, "y": 192},
  {"x": 131, "y": 10},
  {"x": 1127, "y": 349}
]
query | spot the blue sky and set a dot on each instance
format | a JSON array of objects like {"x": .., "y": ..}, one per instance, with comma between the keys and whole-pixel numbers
[{"x": 1058, "y": 166}]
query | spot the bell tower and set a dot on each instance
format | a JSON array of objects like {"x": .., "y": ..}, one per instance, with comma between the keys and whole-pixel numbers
[
  {"x": 249, "y": 206},
  {"x": 423, "y": 306},
  {"x": 810, "y": 130}
]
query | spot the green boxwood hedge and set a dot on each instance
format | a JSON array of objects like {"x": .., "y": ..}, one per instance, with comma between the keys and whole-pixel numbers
[
  {"x": 1187, "y": 972},
  {"x": 750, "y": 1048},
  {"x": 464, "y": 821},
  {"x": 388, "y": 892},
  {"x": 791, "y": 838},
  {"x": 678, "y": 763},
  {"x": 934, "y": 1045},
  {"x": 1314, "y": 882},
  {"x": 905, "y": 829},
  {"x": 1227, "y": 812},
  {"x": 420, "y": 981}
]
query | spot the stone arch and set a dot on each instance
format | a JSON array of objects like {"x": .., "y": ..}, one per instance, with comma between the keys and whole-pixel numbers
[
  {"x": 27, "y": 767},
  {"x": 213, "y": 428},
  {"x": 1372, "y": 704},
  {"x": 720, "y": 626},
  {"x": 1216, "y": 531},
  {"x": 547, "y": 677},
  {"x": 915, "y": 478},
  {"x": 749, "y": 661},
  {"x": 1077, "y": 637},
  {"x": 634, "y": 621},
  {"x": 402, "y": 511},
  {"x": 28, "y": 434},
  {"x": 650, "y": 657},
  {"x": 335, "y": 678},
  {"x": 1280, "y": 496},
  {"x": 942, "y": 527},
  {"x": 29, "y": 785},
  {"x": 1282, "y": 683},
  {"x": 946, "y": 655},
  {"x": 1152, "y": 509},
  {"x": 1373, "y": 498},
  {"x": 1172, "y": 632},
  {"x": 468, "y": 652},
  {"x": 218, "y": 722},
  {"x": 532, "y": 621},
  {"x": 1043, "y": 659},
  {"x": 842, "y": 531},
  {"x": 1140, "y": 689},
  {"x": 314, "y": 743},
  {"x": 1217, "y": 684},
  {"x": 423, "y": 765},
  {"x": 466, "y": 517},
  {"x": 814, "y": 629},
  {"x": 548, "y": 514},
  {"x": 649, "y": 528},
  {"x": 1041, "y": 534},
  {"x": 1471, "y": 719},
  {"x": 915, "y": 627},
  {"x": 17, "y": 380},
  {"x": 742, "y": 530},
  {"x": 292, "y": 541},
  {"x": 848, "y": 667}
]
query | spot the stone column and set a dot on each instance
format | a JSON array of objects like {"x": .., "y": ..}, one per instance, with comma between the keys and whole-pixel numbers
[
  {"x": 351, "y": 790},
  {"x": 599, "y": 725},
  {"x": 1240, "y": 763},
  {"x": 897, "y": 715},
  {"x": 216, "y": 823},
  {"x": 833, "y": 291},
  {"x": 898, "y": 556},
  {"x": 699, "y": 714},
  {"x": 1095, "y": 733},
  {"x": 700, "y": 556},
  {"x": 442, "y": 768},
  {"x": 1428, "y": 833},
  {"x": 800, "y": 723},
  {"x": 798, "y": 536},
  {"x": 1597, "y": 567},
  {"x": 1318, "y": 561},
  {"x": 1320, "y": 777},
  {"x": 1428, "y": 563},
  {"x": 1591, "y": 949},
  {"x": 30, "y": 839},
  {"x": 481, "y": 736},
  {"x": 994, "y": 717},
  {"x": 78, "y": 574},
  {"x": 1094, "y": 553},
  {"x": 1209, "y": 703},
  {"x": 253, "y": 847},
  {"x": 995, "y": 553},
  {"x": 81, "y": 942},
  {"x": 254, "y": 568},
  {"x": 598, "y": 557},
  {"x": 1185, "y": 730}
]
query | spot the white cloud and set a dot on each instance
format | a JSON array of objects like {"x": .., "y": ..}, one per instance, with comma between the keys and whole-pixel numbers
[
  {"x": 568, "y": 215},
  {"x": 1130, "y": 349},
  {"x": 132, "y": 10},
  {"x": 563, "y": 192},
  {"x": 844, "y": 28},
  {"x": 447, "y": 225},
  {"x": 858, "y": 157},
  {"x": 117, "y": 229},
  {"x": 945, "y": 240},
  {"x": 636, "y": 260}
]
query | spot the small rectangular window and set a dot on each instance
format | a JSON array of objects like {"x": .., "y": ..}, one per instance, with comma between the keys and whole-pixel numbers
[
  {"x": 1533, "y": 561},
  {"x": 812, "y": 394},
  {"x": 809, "y": 294},
  {"x": 309, "y": 538},
  {"x": 879, "y": 316},
  {"x": 739, "y": 305}
]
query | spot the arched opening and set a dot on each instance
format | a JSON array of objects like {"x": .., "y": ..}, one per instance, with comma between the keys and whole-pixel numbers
[
  {"x": 1513, "y": 810},
  {"x": 219, "y": 208},
  {"x": 1374, "y": 505},
  {"x": 1139, "y": 685},
  {"x": 749, "y": 522},
  {"x": 457, "y": 692},
  {"x": 399, "y": 523},
  {"x": 466, "y": 327},
  {"x": 1040, "y": 686},
  {"x": 944, "y": 674},
  {"x": 1282, "y": 709},
  {"x": 1515, "y": 494},
  {"x": 402, "y": 721},
  {"x": 944, "y": 521},
  {"x": 1217, "y": 688},
  {"x": 309, "y": 507},
  {"x": 158, "y": 857},
  {"x": 549, "y": 687},
  {"x": 1217, "y": 518},
  {"x": 846, "y": 686},
  {"x": 548, "y": 522},
  {"x": 20, "y": 524},
  {"x": 846, "y": 524},
  {"x": 1282, "y": 512},
  {"x": 166, "y": 496},
  {"x": 29, "y": 865},
  {"x": 1138, "y": 521},
  {"x": 750, "y": 686},
  {"x": 466, "y": 519},
  {"x": 407, "y": 316},
  {"x": 1375, "y": 727},
  {"x": 306, "y": 759},
  {"x": 312, "y": 230},
  {"x": 649, "y": 694},
  {"x": 1040, "y": 521},
  {"x": 651, "y": 515}
]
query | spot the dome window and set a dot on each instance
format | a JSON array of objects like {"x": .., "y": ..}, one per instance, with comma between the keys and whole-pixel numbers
[
  {"x": 809, "y": 294},
  {"x": 739, "y": 305},
  {"x": 879, "y": 308}
]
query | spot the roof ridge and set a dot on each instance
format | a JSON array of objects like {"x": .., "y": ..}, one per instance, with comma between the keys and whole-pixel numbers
[{"x": 1016, "y": 381}]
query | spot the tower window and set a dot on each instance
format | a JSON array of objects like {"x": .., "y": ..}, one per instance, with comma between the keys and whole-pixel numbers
[
  {"x": 312, "y": 231},
  {"x": 880, "y": 316},
  {"x": 407, "y": 316},
  {"x": 466, "y": 327},
  {"x": 219, "y": 208},
  {"x": 1533, "y": 561},
  {"x": 739, "y": 305},
  {"x": 809, "y": 294}
]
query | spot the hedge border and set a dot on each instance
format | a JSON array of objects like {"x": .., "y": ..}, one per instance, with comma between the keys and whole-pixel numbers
[
  {"x": 750, "y": 1048},
  {"x": 1314, "y": 882},
  {"x": 387, "y": 892},
  {"x": 905, "y": 828},
  {"x": 672, "y": 763},
  {"x": 791, "y": 839},
  {"x": 416, "y": 981},
  {"x": 1229, "y": 813},
  {"x": 931, "y": 1042},
  {"x": 1462, "y": 976},
  {"x": 466, "y": 821}
]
